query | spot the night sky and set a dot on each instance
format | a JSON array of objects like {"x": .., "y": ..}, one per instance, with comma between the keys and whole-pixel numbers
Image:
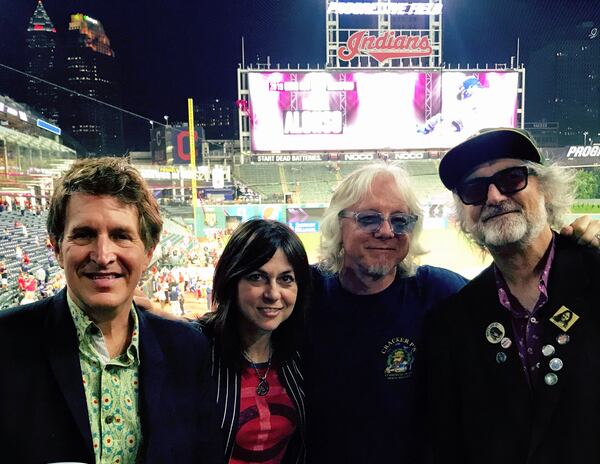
[{"x": 169, "y": 50}]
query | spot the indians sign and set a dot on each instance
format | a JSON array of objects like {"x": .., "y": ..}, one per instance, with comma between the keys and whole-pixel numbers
[{"x": 384, "y": 47}]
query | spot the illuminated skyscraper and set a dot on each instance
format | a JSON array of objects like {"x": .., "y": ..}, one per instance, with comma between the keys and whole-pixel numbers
[
  {"x": 41, "y": 44},
  {"x": 91, "y": 71}
]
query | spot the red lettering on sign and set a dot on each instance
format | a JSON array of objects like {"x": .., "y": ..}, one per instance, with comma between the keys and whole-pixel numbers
[{"x": 385, "y": 46}]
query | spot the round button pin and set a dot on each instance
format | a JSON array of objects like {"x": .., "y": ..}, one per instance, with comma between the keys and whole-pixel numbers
[
  {"x": 494, "y": 332},
  {"x": 563, "y": 339},
  {"x": 505, "y": 343},
  {"x": 551, "y": 379},
  {"x": 500, "y": 357},
  {"x": 556, "y": 364},
  {"x": 548, "y": 350}
]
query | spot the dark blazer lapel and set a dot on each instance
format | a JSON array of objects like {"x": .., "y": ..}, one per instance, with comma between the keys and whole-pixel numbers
[
  {"x": 563, "y": 289},
  {"x": 152, "y": 377},
  {"x": 507, "y": 375},
  {"x": 63, "y": 354}
]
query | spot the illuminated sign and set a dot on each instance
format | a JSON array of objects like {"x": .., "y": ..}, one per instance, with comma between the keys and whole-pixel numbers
[
  {"x": 49, "y": 127},
  {"x": 288, "y": 158},
  {"x": 385, "y": 111},
  {"x": 392, "y": 8},
  {"x": 13, "y": 112},
  {"x": 358, "y": 157},
  {"x": 385, "y": 46},
  {"x": 297, "y": 158},
  {"x": 579, "y": 151}
]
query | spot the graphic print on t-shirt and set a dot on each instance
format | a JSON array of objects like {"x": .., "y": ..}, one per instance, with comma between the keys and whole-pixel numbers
[{"x": 399, "y": 355}]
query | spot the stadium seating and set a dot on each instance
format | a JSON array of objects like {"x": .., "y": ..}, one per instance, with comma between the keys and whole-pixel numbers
[
  {"x": 39, "y": 255},
  {"x": 262, "y": 178},
  {"x": 315, "y": 182}
]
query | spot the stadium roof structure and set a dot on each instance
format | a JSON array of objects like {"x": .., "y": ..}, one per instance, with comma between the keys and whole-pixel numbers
[{"x": 37, "y": 143}]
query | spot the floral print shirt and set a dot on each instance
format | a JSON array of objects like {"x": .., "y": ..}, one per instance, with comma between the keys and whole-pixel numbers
[{"x": 111, "y": 391}]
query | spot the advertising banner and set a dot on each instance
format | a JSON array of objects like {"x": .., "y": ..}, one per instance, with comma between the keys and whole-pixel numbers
[
  {"x": 376, "y": 110},
  {"x": 303, "y": 220},
  {"x": 574, "y": 155},
  {"x": 212, "y": 219}
]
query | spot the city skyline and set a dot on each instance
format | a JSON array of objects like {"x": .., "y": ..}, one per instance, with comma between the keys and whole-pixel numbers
[{"x": 168, "y": 52}]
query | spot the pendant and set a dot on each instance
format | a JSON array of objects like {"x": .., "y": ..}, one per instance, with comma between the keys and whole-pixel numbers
[{"x": 263, "y": 387}]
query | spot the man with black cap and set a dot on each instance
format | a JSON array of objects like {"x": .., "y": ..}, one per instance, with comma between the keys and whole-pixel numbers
[{"x": 509, "y": 379}]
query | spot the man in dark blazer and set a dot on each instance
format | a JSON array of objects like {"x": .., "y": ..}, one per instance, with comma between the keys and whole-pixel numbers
[
  {"x": 513, "y": 367},
  {"x": 87, "y": 377}
]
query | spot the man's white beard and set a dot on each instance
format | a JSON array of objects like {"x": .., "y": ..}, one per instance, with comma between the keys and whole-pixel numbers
[
  {"x": 377, "y": 272},
  {"x": 510, "y": 229}
]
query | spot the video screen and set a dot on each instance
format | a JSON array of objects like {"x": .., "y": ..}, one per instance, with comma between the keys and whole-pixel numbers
[{"x": 376, "y": 110}]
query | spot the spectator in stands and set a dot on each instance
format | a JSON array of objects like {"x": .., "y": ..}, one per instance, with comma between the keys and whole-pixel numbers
[
  {"x": 369, "y": 305},
  {"x": 261, "y": 289},
  {"x": 3, "y": 275},
  {"x": 21, "y": 282},
  {"x": 104, "y": 224},
  {"x": 174, "y": 300},
  {"x": 182, "y": 302},
  {"x": 18, "y": 253},
  {"x": 41, "y": 276},
  {"x": 29, "y": 297},
  {"x": 29, "y": 283},
  {"x": 538, "y": 379},
  {"x": 25, "y": 261}
]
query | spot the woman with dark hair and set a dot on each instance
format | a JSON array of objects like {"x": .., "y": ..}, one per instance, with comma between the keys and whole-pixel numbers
[{"x": 260, "y": 292}]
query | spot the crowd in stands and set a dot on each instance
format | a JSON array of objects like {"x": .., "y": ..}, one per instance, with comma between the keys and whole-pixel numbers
[
  {"x": 184, "y": 270},
  {"x": 28, "y": 269},
  {"x": 183, "y": 266}
]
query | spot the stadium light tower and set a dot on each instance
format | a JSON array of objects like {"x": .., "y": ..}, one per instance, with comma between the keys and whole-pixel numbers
[
  {"x": 166, "y": 116},
  {"x": 585, "y": 134}
]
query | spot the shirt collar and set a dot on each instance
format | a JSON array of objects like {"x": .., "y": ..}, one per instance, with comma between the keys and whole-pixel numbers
[
  {"x": 504, "y": 294},
  {"x": 89, "y": 332}
]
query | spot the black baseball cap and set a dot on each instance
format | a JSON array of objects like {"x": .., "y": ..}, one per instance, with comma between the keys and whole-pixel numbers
[{"x": 486, "y": 145}]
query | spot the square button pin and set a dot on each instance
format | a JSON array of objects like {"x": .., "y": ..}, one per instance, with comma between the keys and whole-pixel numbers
[{"x": 564, "y": 318}]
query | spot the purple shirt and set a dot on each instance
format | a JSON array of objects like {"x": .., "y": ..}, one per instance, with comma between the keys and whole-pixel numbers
[{"x": 527, "y": 329}]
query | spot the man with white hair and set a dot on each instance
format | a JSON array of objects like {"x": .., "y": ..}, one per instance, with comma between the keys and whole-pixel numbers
[
  {"x": 365, "y": 322},
  {"x": 512, "y": 359}
]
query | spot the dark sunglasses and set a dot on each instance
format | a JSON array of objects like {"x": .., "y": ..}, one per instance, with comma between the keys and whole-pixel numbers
[
  {"x": 507, "y": 181},
  {"x": 371, "y": 221}
]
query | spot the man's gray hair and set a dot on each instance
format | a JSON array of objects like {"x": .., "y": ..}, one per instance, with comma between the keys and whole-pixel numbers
[
  {"x": 352, "y": 190},
  {"x": 556, "y": 184}
]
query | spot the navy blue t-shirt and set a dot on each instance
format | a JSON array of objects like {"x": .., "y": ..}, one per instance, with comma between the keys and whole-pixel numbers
[{"x": 363, "y": 353}]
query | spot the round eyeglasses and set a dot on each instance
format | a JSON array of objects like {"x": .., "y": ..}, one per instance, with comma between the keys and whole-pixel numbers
[{"x": 371, "y": 221}]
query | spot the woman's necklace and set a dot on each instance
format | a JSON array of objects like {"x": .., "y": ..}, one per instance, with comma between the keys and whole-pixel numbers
[{"x": 263, "y": 386}]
